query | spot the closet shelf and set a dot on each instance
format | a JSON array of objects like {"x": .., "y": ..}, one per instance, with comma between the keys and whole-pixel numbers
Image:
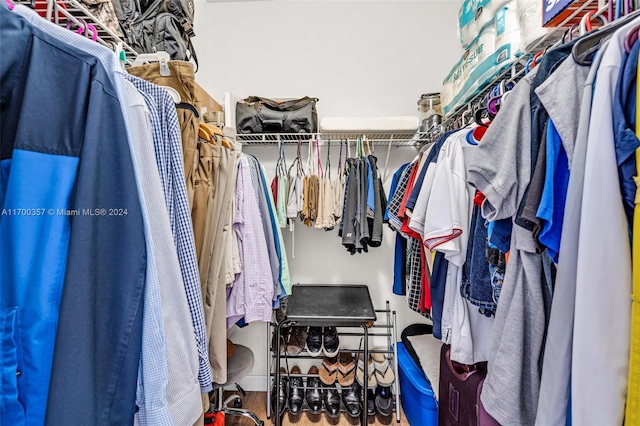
[
  {"x": 74, "y": 12},
  {"x": 515, "y": 70},
  {"x": 377, "y": 138}
]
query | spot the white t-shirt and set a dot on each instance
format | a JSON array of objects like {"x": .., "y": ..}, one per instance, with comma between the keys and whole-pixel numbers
[
  {"x": 416, "y": 223},
  {"x": 602, "y": 322},
  {"x": 447, "y": 222}
]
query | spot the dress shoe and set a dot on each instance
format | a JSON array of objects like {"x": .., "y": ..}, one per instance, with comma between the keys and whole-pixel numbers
[
  {"x": 351, "y": 400},
  {"x": 371, "y": 405},
  {"x": 330, "y": 342},
  {"x": 313, "y": 394},
  {"x": 281, "y": 397},
  {"x": 314, "y": 341},
  {"x": 332, "y": 401},
  {"x": 296, "y": 391},
  {"x": 384, "y": 400}
]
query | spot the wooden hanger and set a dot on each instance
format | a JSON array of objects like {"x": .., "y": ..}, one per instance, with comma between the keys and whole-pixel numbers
[{"x": 211, "y": 133}]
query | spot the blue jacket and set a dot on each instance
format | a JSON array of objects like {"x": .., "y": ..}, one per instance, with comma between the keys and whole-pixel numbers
[{"x": 72, "y": 275}]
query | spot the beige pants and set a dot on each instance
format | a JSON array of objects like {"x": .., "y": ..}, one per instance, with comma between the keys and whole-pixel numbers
[
  {"x": 182, "y": 79},
  {"x": 201, "y": 178},
  {"x": 213, "y": 263}
]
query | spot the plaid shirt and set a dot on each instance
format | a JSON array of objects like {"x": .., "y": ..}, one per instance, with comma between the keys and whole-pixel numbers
[
  {"x": 398, "y": 195},
  {"x": 167, "y": 141}
]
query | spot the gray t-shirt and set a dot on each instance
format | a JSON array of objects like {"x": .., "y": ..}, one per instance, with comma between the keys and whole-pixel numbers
[{"x": 501, "y": 169}]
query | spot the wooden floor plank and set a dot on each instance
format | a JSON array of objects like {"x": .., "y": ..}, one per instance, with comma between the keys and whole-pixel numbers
[{"x": 256, "y": 402}]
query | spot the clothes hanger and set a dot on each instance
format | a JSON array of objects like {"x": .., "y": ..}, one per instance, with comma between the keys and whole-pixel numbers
[
  {"x": 320, "y": 169},
  {"x": 281, "y": 165},
  {"x": 584, "y": 48},
  {"x": 162, "y": 57},
  {"x": 631, "y": 38},
  {"x": 10, "y": 4},
  {"x": 328, "y": 160}
]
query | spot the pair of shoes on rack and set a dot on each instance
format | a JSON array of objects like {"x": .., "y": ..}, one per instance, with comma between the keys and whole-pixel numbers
[
  {"x": 323, "y": 340},
  {"x": 340, "y": 368},
  {"x": 293, "y": 395},
  {"x": 380, "y": 400},
  {"x": 291, "y": 392},
  {"x": 317, "y": 394},
  {"x": 292, "y": 340},
  {"x": 379, "y": 370}
]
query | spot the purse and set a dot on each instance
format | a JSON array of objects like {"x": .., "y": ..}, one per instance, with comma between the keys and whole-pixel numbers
[{"x": 262, "y": 115}]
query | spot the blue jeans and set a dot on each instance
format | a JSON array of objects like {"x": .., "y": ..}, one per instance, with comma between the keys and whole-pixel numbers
[{"x": 476, "y": 279}]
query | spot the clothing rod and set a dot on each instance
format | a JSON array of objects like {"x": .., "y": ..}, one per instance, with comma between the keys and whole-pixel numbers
[{"x": 373, "y": 351}]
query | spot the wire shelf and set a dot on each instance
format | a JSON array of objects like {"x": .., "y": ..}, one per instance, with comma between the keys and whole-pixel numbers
[
  {"x": 393, "y": 139},
  {"x": 517, "y": 69},
  {"x": 75, "y": 12}
]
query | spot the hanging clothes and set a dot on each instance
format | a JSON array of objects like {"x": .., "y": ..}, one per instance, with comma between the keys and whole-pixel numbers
[
  {"x": 251, "y": 297},
  {"x": 94, "y": 298},
  {"x": 632, "y": 412}
]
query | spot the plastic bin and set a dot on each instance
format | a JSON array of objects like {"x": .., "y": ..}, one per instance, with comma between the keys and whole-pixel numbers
[{"x": 418, "y": 400}]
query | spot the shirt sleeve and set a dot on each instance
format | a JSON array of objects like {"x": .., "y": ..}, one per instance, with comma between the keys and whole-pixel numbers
[
  {"x": 498, "y": 170},
  {"x": 447, "y": 211}
]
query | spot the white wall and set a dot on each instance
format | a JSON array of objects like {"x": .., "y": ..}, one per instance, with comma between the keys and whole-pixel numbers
[{"x": 361, "y": 58}]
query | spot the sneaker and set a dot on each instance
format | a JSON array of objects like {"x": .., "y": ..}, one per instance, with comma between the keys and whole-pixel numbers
[
  {"x": 314, "y": 341},
  {"x": 297, "y": 340},
  {"x": 384, "y": 400},
  {"x": 371, "y": 396},
  {"x": 330, "y": 342},
  {"x": 284, "y": 337}
]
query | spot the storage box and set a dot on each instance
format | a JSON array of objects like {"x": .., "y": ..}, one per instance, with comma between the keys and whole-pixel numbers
[
  {"x": 556, "y": 11},
  {"x": 418, "y": 400}
]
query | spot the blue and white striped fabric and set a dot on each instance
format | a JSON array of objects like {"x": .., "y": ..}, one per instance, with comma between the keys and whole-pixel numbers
[
  {"x": 183, "y": 390},
  {"x": 167, "y": 141}
]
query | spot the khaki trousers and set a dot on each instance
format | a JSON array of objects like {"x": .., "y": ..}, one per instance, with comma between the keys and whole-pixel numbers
[
  {"x": 213, "y": 262},
  {"x": 182, "y": 79}
]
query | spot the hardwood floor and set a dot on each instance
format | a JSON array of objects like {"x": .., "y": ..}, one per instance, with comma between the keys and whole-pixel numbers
[{"x": 256, "y": 402}]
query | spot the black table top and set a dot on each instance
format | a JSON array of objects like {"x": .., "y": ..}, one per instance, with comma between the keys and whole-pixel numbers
[{"x": 330, "y": 305}]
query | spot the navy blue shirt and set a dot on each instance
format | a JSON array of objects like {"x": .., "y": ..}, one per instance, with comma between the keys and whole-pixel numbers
[
  {"x": 624, "y": 124},
  {"x": 64, "y": 139}
]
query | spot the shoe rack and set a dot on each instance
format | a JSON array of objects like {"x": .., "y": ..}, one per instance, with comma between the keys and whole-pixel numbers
[{"x": 383, "y": 325}]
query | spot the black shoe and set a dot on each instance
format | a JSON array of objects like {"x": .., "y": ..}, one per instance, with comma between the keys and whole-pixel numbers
[
  {"x": 330, "y": 342},
  {"x": 371, "y": 405},
  {"x": 313, "y": 395},
  {"x": 384, "y": 400},
  {"x": 296, "y": 391},
  {"x": 351, "y": 401},
  {"x": 332, "y": 401},
  {"x": 314, "y": 341},
  {"x": 282, "y": 395}
]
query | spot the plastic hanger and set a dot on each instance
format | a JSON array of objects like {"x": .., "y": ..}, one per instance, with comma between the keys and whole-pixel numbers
[
  {"x": 584, "y": 48},
  {"x": 631, "y": 38},
  {"x": 162, "y": 57},
  {"x": 9, "y": 4},
  {"x": 174, "y": 94}
]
